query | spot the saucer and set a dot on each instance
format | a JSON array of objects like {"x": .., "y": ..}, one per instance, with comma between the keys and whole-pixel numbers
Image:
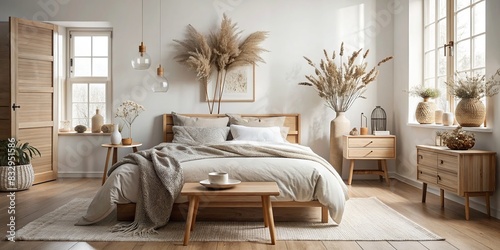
[{"x": 230, "y": 183}]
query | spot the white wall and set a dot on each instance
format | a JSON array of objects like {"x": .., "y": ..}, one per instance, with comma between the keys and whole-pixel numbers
[
  {"x": 407, "y": 70},
  {"x": 296, "y": 28}
]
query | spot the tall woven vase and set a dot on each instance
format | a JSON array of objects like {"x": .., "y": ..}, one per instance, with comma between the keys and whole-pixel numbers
[
  {"x": 470, "y": 112},
  {"x": 425, "y": 112},
  {"x": 339, "y": 127}
]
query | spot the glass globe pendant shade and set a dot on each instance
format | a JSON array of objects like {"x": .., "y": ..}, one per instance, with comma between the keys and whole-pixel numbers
[
  {"x": 160, "y": 83},
  {"x": 142, "y": 60}
]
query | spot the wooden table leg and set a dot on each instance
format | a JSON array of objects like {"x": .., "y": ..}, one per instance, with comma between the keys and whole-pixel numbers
[
  {"x": 134, "y": 149},
  {"x": 379, "y": 163},
  {"x": 386, "y": 175},
  {"x": 193, "y": 200},
  {"x": 105, "y": 172},
  {"x": 115, "y": 155},
  {"x": 195, "y": 211},
  {"x": 467, "y": 211},
  {"x": 441, "y": 194},
  {"x": 351, "y": 171},
  {"x": 264, "y": 212},
  {"x": 269, "y": 208},
  {"x": 424, "y": 192},
  {"x": 487, "y": 197}
]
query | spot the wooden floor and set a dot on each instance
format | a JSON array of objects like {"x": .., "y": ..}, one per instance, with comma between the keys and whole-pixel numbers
[{"x": 480, "y": 232}]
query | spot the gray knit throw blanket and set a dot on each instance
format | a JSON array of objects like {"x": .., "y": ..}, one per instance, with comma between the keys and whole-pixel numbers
[{"x": 161, "y": 178}]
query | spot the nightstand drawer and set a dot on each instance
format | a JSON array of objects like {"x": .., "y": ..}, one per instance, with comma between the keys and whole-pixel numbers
[
  {"x": 368, "y": 142},
  {"x": 426, "y": 158},
  {"x": 448, "y": 181},
  {"x": 448, "y": 163},
  {"x": 426, "y": 174},
  {"x": 360, "y": 153}
]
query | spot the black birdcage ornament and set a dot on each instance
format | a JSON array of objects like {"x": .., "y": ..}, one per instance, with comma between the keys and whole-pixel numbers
[{"x": 379, "y": 119}]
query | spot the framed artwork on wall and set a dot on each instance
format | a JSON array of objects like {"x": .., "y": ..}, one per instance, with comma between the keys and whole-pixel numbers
[{"x": 239, "y": 86}]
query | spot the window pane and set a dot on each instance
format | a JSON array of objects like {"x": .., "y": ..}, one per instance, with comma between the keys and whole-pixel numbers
[
  {"x": 430, "y": 65},
  {"x": 430, "y": 11},
  {"x": 442, "y": 8},
  {"x": 463, "y": 56},
  {"x": 442, "y": 32},
  {"x": 441, "y": 62},
  {"x": 441, "y": 101},
  {"x": 430, "y": 83},
  {"x": 82, "y": 46},
  {"x": 479, "y": 51},
  {"x": 97, "y": 92},
  {"x": 100, "y": 67},
  {"x": 463, "y": 24},
  {"x": 479, "y": 17},
  {"x": 79, "y": 92},
  {"x": 460, "y": 4},
  {"x": 430, "y": 41},
  {"x": 100, "y": 46},
  {"x": 80, "y": 110},
  {"x": 81, "y": 67}
]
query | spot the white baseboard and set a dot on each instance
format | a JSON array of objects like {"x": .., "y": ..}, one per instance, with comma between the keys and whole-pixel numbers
[{"x": 474, "y": 203}]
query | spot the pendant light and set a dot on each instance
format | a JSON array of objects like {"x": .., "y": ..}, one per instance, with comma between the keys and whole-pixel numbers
[
  {"x": 142, "y": 60},
  {"x": 160, "y": 82}
]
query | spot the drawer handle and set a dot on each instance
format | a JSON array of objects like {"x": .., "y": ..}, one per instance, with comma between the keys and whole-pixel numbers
[
  {"x": 370, "y": 142},
  {"x": 442, "y": 162},
  {"x": 439, "y": 177},
  {"x": 421, "y": 156}
]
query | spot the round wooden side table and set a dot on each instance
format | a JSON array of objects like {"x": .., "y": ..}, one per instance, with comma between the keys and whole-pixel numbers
[{"x": 113, "y": 150}]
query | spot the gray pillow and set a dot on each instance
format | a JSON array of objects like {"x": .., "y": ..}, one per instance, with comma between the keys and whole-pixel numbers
[
  {"x": 199, "y": 135},
  {"x": 182, "y": 120}
]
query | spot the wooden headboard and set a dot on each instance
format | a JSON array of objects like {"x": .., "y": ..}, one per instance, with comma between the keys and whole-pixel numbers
[{"x": 292, "y": 121}]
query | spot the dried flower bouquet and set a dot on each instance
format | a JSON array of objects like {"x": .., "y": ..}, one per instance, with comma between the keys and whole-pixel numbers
[
  {"x": 221, "y": 50},
  {"x": 128, "y": 112},
  {"x": 475, "y": 87},
  {"x": 340, "y": 85}
]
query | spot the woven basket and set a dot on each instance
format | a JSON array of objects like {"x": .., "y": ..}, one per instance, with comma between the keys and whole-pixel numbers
[
  {"x": 23, "y": 178},
  {"x": 470, "y": 112},
  {"x": 425, "y": 112}
]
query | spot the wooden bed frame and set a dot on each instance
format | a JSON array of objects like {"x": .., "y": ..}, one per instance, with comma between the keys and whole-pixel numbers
[{"x": 247, "y": 210}]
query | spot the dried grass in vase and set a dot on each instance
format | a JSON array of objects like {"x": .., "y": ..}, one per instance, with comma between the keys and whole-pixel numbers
[{"x": 340, "y": 85}]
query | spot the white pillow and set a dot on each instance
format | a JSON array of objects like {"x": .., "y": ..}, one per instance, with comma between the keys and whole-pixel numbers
[{"x": 267, "y": 134}]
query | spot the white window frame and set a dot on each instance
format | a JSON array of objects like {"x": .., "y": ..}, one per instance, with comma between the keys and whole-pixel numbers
[
  {"x": 451, "y": 60},
  {"x": 74, "y": 80}
]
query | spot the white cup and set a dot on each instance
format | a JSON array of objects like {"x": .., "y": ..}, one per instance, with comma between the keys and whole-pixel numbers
[{"x": 218, "y": 178}]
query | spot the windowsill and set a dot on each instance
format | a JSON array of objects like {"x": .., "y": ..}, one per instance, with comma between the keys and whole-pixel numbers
[
  {"x": 86, "y": 133},
  {"x": 437, "y": 126}
]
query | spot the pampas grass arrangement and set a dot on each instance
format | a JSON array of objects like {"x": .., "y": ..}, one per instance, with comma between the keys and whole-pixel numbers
[
  {"x": 220, "y": 50},
  {"x": 340, "y": 85}
]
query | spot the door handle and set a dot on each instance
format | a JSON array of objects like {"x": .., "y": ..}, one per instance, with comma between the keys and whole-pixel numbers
[{"x": 14, "y": 106}]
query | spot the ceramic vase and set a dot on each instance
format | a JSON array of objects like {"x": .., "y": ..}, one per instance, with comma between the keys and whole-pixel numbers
[
  {"x": 470, "y": 112},
  {"x": 116, "y": 137},
  {"x": 425, "y": 112},
  {"x": 97, "y": 121},
  {"x": 448, "y": 119},
  {"x": 438, "y": 116},
  {"x": 339, "y": 127}
]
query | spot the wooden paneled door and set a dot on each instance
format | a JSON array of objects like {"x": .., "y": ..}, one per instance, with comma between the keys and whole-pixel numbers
[{"x": 34, "y": 91}]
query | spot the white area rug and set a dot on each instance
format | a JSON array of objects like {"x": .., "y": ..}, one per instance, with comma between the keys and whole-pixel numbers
[{"x": 364, "y": 219}]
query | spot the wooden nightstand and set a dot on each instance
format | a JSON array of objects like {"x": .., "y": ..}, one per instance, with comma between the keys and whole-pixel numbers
[
  {"x": 461, "y": 172},
  {"x": 369, "y": 147},
  {"x": 115, "y": 155}
]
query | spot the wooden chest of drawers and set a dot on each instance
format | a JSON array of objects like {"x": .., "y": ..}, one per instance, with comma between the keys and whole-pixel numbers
[
  {"x": 462, "y": 172},
  {"x": 369, "y": 147}
]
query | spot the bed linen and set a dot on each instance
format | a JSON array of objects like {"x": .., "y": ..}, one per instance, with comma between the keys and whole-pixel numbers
[{"x": 297, "y": 179}]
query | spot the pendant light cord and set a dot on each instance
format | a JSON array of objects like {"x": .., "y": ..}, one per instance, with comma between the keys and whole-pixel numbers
[
  {"x": 160, "y": 31},
  {"x": 142, "y": 21}
]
